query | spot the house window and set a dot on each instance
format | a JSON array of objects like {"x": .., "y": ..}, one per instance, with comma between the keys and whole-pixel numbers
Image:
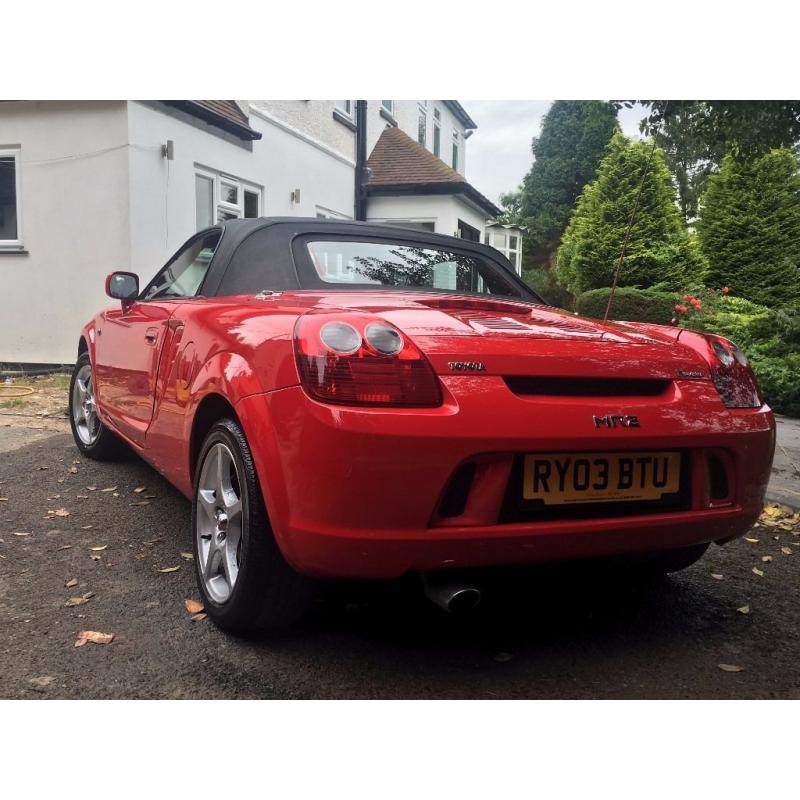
[
  {"x": 510, "y": 245},
  {"x": 219, "y": 198},
  {"x": 455, "y": 150},
  {"x": 422, "y": 124},
  {"x": 345, "y": 107},
  {"x": 437, "y": 131},
  {"x": 388, "y": 106},
  {"x": 10, "y": 213}
]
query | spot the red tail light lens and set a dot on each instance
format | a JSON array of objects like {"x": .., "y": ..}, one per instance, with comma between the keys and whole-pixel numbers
[
  {"x": 735, "y": 381},
  {"x": 360, "y": 360}
]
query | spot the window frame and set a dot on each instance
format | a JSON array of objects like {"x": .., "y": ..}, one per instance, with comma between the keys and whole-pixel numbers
[
  {"x": 436, "y": 144},
  {"x": 346, "y": 110},
  {"x": 422, "y": 122},
  {"x": 142, "y": 298},
  {"x": 15, "y": 153},
  {"x": 217, "y": 204},
  {"x": 388, "y": 109}
]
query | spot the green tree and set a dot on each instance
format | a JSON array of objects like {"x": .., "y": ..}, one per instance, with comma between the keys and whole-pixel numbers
[
  {"x": 659, "y": 252},
  {"x": 746, "y": 128},
  {"x": 749, "y": 228},
  {"x": 572, "y": 141}
]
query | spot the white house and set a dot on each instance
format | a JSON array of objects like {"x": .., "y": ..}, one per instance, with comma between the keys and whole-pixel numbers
[{"x": 87, "y": 187}]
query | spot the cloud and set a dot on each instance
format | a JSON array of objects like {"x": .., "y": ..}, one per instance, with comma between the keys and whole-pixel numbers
[{"x": 499, "y": 152}]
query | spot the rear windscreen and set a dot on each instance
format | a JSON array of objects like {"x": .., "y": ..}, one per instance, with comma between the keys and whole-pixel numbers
[{"x": 360, "y": 264}]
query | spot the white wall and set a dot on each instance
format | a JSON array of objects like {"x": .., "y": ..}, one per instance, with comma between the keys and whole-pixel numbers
[
  {"x": 294, "y": 159},
  {"x": 443, "y": 210},
  {"x": 74, "y": 220}
]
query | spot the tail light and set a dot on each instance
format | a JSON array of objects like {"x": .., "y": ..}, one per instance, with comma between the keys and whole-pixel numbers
[
  {"x": 732, "y": 375},
  {"x": 358, "y": 359}
]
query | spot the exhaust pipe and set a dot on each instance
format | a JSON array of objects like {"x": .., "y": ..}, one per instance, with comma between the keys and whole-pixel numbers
[{"x": 456, "y": 598}]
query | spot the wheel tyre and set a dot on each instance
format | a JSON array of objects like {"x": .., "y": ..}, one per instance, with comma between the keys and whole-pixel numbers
[
  {"x": 102, "y": 444},
  {"x": 678, "y": 559},
  {"x": 267, "y": 593}
]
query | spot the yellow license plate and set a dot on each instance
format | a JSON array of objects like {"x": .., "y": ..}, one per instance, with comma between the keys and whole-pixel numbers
[{"x": 558, "y": 478}]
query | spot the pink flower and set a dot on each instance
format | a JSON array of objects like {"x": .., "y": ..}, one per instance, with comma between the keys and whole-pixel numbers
[
  {"x": 681, "y": 309},
  {"x": 726, "y": 289}
]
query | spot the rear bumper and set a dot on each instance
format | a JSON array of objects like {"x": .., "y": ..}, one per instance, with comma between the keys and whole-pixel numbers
[{"x": 355, "y": 492}]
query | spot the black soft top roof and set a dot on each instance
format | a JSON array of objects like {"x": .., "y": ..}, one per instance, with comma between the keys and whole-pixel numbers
[{"x": 247, "y": 245}]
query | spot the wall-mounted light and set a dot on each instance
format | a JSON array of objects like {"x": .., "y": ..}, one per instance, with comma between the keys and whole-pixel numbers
[
  {"x": 295, "y": 196},
  {"x": 168, "y": 150}
]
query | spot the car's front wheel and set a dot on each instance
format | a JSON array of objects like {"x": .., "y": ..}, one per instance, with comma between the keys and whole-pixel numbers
[
  {"x": 245, "y": 582},
  {"x": 92, "y": 438}
]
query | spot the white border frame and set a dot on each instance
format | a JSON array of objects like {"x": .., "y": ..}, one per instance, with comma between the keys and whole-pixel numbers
[{"x": 15, "y": 153}]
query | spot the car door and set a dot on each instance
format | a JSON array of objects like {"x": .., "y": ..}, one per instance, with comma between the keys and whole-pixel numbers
[{"x": 129, "y": 340}]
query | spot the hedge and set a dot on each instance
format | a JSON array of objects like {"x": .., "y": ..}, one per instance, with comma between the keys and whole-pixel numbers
[{"x": 631, "y": 305}]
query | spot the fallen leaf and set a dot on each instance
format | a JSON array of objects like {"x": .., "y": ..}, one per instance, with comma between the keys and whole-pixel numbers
[
  {"x": 503, "y": 657},
  {"x": 99, "y": 548},
  {"x": 199, "y": 617},
  {"x": 716, "y": 576},
  {"x": 141, "y": 503},
  {"x": 150, "y": 496},
  {"x": 81, "y": 496},
  {"x": 730, "y": 668},
  {"x": 787, "y": 551},
  {"x": 86, "y": 527},
  {"x": 93, "y": 636},
  {"x": 139, "y": 489},
  {"x": 743, "y": 609},
  {"x": 91, "y": 488},
  {"x": 153, "y": 541},
  {"x": 3, "y": 499},
  {"x": 193, "y": 606},
  {"x": 170, "y": 569},
  {"x": 71, "y": 582},
  {"x": 757, "y": 571},
  {"x": 116, "y": 494},
  {"x": 59, "y": 512},
  {"x": 88, "y": 595},
  {"x": 65, "y": 547},
  {"x": 752, "y": 541},
  {"x": 41, "y": 681},
  {"x": 187, "y": 556},
  {"x": 73, "y": 470},
  {"x": 109, "y": 489},
  {"x": 21, "y": 533},
  {"x": 766, "y": 559},
  {"x": 75, "y": 601}
]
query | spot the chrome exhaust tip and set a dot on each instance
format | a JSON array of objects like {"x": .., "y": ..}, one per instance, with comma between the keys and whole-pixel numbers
[{"x": 455, "y": 598}]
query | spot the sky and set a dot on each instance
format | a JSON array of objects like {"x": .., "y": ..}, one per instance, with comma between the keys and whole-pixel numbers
[{"x": 499, "y": 152}]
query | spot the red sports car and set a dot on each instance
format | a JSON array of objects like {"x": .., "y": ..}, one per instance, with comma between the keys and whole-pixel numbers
[{"x": 355, "y": 400}]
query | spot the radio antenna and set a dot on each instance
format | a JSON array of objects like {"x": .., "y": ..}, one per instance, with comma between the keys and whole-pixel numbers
[{"x": 632, "y": 219}]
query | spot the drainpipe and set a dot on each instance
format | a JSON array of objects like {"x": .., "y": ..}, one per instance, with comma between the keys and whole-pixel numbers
[{"x": 360, "y": 210}]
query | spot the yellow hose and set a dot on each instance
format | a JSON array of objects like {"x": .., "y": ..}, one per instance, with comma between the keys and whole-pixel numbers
[{"x": 15, "y": 391}]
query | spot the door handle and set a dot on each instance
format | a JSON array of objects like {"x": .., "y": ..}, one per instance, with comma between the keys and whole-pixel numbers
[{"x": 151, "y": 335}]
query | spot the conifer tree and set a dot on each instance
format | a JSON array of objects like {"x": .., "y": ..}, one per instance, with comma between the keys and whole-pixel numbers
[
  {"x": 659, "y": 250},
  {"x": 749, "y": 228}
]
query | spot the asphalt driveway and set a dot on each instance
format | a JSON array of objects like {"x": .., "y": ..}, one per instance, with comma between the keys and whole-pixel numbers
[{"x": 554, "y": 632}]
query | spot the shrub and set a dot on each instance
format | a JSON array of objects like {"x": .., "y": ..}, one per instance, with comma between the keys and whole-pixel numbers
[{"x": 630, "y": 304}]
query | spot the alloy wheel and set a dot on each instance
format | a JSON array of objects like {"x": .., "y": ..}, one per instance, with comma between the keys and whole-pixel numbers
[
  {"x": 218, "y": 526},
  {"x": 84, "y": 407}
]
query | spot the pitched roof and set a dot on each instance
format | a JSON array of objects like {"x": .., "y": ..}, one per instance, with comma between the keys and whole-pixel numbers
[
  {"x": 225, "y": 114},
  {"x": 399, "y": 165}
]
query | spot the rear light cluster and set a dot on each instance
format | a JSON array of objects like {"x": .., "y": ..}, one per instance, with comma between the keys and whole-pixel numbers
[
  {"x": 733, "y": 376},
  {"x": 357, "y": 359}
]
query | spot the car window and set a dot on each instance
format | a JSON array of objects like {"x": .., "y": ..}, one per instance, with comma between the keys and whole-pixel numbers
[
  {"x": 367, "y": 264},
  {"x": 184, "y": 275}
]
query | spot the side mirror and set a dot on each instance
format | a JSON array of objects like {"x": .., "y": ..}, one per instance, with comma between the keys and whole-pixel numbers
[{"x": 122, "y": 286}]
